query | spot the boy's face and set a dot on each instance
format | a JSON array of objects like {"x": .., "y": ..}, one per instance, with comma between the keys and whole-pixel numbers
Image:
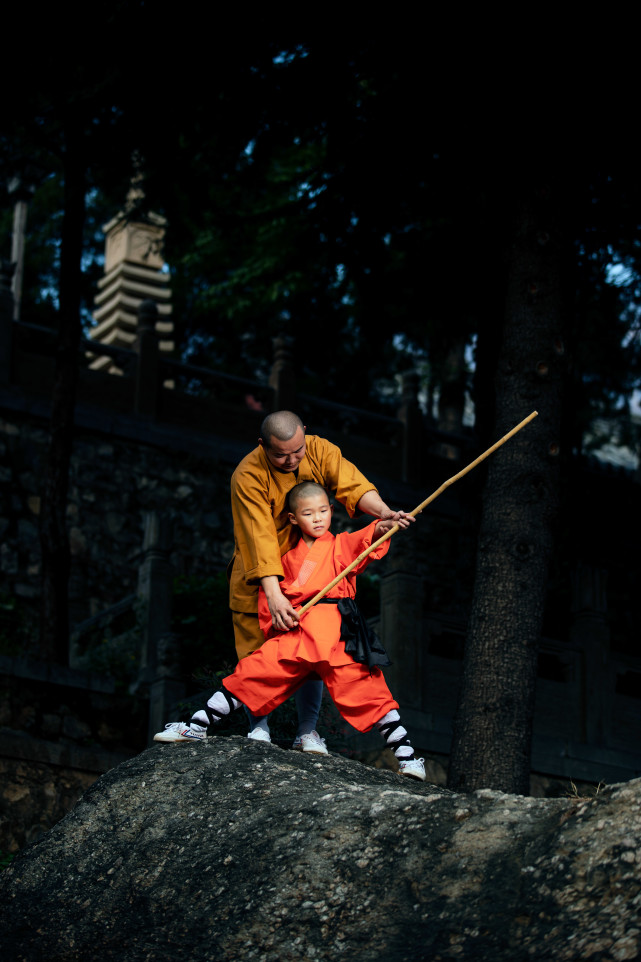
[{"x": 313, "y": 515}]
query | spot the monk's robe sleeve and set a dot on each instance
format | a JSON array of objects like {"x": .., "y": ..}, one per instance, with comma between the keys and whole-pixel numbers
[
  {"x": 254, "y": 528},
  {"x": 333, "y": 471}
]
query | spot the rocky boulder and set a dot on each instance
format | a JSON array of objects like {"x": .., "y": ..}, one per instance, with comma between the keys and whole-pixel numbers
[{"x": 236, "y": 850}]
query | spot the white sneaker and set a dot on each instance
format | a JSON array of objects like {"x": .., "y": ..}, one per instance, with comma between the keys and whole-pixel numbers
[
  {"x": 414, "y": 767},
  {"x": 179, "y": 732},
  {"x": 259, "y": 735},
  {"x": 311, "y": 743}
]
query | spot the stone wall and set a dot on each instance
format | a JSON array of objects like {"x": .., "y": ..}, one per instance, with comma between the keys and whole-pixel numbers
[
  {"x": 60, "y": 728},
  {"x": 113, "y": 481}
]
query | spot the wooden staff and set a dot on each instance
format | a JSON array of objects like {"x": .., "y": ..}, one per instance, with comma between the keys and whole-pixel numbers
[{"x": 422, "y": 505}]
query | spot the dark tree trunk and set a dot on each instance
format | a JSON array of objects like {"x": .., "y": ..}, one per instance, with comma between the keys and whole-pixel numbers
[
  {"x": 493, "y": 724},
  {"x": 54, "y": 541}
]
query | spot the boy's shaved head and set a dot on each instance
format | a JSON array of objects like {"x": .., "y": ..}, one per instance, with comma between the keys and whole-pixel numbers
[
  {"x": 306, "y": 489},
  {"x": 281, "y": 425}
]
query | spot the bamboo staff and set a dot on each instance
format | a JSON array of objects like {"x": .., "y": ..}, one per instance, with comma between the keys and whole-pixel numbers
[{"x": 422, "y": 505}]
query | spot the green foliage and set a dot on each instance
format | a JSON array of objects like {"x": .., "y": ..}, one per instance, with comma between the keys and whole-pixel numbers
[
  {"x": 6, "y": 858},
  {"x": 307, "y": 196},
  {"x": 113, "y": 649},
  {"x": 117, "y": 656},
  {"x": 202, "y": 621}
]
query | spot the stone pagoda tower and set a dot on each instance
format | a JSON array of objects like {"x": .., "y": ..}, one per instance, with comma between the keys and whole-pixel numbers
[{"x": 134, "y": 272}]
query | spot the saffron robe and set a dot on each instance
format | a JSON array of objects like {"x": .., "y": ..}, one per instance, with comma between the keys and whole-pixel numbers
[
  {"x": 267, "y": 677},
  {"x": 262, "y": 532}
]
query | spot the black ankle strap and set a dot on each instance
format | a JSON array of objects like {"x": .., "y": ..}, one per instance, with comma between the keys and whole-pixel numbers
[{"x": 213, "y": 714}]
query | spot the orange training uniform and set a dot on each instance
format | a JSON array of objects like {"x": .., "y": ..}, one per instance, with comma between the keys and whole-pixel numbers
[
  {"x": 262, "y": 532},
  {"x": 270, "y": 675}
]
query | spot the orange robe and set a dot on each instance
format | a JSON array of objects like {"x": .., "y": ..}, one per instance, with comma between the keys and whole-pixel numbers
[
  {"x": 262, "y": 532},
  {"x": 268, "y": 676}
]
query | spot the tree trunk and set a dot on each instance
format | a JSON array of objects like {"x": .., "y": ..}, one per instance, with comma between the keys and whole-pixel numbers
[
  {"x": 54, "y": 541},
  {"x": 493, "y": 725}
]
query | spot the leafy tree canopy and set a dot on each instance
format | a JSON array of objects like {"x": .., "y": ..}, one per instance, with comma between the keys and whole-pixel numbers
[{"x": 352, "y": 189}]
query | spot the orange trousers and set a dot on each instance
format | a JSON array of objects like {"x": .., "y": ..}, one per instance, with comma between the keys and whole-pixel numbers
[{"x": 268, "y": 676}]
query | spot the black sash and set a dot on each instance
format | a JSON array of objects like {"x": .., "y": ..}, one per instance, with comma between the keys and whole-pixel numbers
[{"x": 361, "y": 642}]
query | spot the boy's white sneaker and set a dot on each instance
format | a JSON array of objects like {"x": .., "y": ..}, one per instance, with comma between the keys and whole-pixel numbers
[
  {"x": 413, "y": 767},
  {"x": 179, "y": 732},
  {"x": 311, "y": 743},
  {"x": 259, "y": 735}
]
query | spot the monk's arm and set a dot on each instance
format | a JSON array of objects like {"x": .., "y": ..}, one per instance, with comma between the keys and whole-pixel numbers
[{"x": 283, "y": 615}]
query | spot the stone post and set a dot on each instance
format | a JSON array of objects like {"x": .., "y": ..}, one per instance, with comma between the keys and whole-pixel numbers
[
  {"x": 22, "y": 194},
  {"x": 281, "y": 378},
  {"x": 147, "y": 389},
  {"x": 590, "y": 632},
  {"x": 409, "y": 415},
  {"x": 159, "y": 648},
  {"x": 154, "y": 587},
  {"x": 166, "y": 687},
  {"x": 451, "y": 405},
  {"x": 6, "y": 321},
  {"x": 402, "y": 627}
]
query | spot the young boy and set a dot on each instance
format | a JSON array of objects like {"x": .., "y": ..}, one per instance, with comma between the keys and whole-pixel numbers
[{"x": 267, "y": 677}]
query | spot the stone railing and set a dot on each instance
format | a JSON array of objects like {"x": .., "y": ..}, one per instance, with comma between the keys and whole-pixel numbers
[{"x": 164, "y": 390}]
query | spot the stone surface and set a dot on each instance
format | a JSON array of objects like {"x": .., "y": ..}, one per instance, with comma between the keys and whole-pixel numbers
[{"x": 232, "y": 850}]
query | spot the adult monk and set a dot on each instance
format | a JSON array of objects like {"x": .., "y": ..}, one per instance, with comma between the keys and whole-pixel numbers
[{"x": 260, "y": 484}]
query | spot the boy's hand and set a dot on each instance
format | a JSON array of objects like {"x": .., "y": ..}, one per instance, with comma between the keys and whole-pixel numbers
[
  {"x": 402, "y": 518},
  {"x": 382, "y": 528}
]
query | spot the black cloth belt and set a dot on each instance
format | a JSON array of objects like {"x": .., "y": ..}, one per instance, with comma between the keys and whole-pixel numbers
[{"x": 361, "y": 642}]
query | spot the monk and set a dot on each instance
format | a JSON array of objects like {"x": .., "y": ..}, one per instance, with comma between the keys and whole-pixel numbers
[
  {"x": 262, "y": 533},
  {"x": 330, "y": 641}
]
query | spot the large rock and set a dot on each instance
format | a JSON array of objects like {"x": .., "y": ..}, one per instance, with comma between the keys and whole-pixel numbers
[{"x": 235, "y": 850}]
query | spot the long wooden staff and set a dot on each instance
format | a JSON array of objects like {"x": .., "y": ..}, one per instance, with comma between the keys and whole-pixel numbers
[{"x": 422, "y": 505}]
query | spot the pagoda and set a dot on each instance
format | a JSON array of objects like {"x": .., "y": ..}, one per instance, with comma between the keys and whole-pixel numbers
[{"x": 135, "y": 271}]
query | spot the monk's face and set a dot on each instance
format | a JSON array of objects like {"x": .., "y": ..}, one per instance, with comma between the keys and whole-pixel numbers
[
  {"x": 285, "y": 455},
  {"x": 313, "y": 515}
]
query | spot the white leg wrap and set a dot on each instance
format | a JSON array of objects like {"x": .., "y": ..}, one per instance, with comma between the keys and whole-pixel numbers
[{"x": 395, "y": 735}]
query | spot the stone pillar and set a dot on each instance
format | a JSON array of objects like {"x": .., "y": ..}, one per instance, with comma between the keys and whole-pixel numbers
[
  {"x": 159, "y": 656},
  {"x": 22, "y": 195},
  {"x": 402, "y": 628},
  {"x": 281, "y": 378},
  {"x": 154, "y": 588},
  {"x": 590, "y": 632},
  {"x": 409, "y": 415},
  {"x": 6, "y": 321},
  {"x": 166, "y": 687},
  {"x": 451, "y": 405},
  {"x": 147, "y": 387}
]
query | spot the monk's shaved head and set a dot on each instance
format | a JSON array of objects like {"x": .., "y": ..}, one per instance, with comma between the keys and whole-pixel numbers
[
  {"x": 281, "y": 425},
  {"x": 306, "y": 489}
]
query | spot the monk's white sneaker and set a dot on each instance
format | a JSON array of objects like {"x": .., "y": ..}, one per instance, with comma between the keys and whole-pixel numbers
[
  {"x": 311, "y": 743},
  {"x": 413, "y": 767},
  {"x": 259, "y": 735}
]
